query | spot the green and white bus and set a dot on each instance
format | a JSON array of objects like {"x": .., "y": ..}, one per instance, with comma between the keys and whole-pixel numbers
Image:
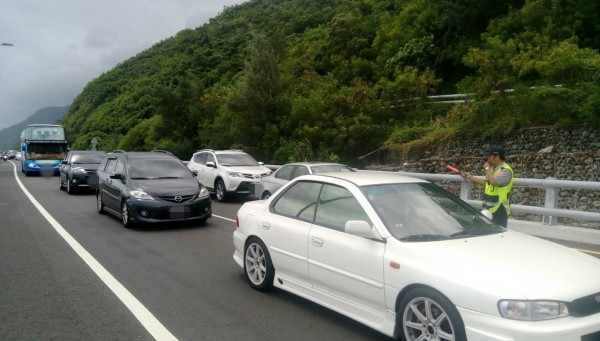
[{"x": 43, "y": 147}]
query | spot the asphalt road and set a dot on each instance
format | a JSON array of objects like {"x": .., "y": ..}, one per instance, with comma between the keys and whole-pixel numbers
[{"x": 178, "y": 281}]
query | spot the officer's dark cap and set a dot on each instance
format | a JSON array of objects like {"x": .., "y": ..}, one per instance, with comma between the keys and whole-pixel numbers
[{"x": 495, "y": 149}]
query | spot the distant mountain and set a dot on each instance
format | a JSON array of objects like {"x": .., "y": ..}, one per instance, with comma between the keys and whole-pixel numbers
[{"x": 10, "y": 137}]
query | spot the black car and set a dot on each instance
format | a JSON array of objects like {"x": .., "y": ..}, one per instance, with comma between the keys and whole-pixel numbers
[
  {"x": 79, "y": 168},
  {"x": 150, "y": 187}
]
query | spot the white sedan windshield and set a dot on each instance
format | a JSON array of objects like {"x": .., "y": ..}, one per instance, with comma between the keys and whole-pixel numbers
[{"x": 424, "y": 211}]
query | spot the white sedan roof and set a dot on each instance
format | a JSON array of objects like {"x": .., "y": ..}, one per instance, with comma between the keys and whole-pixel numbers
[{"x": 365, "y": 178}]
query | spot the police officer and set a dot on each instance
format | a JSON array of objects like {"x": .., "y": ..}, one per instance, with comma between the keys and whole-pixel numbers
[{"x": 498, "y": 182}]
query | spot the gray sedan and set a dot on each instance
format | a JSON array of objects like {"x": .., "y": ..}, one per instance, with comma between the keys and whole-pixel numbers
[{"x": 271, "y": 183}]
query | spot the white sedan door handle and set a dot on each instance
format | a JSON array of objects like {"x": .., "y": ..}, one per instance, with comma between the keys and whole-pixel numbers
[
  {"x": 266, "y": 226},
  {"x": 317, "y": 241}
]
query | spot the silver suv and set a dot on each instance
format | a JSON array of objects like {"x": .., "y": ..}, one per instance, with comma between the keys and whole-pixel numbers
[{"x": 227, "y": 172}]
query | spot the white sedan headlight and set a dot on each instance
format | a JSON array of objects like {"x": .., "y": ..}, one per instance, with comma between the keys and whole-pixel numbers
[
  {"x": 78, "y": 170},
  {"x": 141, "y": 195},
  {"x": 235, "y": 174},
  {"x": 532, "y": 310}
]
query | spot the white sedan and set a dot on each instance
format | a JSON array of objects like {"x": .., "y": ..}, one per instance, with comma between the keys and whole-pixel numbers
[
  {"x": 271, "y": 183},
  {"x": 411, "y": 260}
]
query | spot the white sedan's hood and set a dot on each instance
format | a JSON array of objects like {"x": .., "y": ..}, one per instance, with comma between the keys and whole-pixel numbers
[{"x": 509, "y": 265}]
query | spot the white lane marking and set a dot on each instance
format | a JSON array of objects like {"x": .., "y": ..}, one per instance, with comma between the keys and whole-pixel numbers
[
  {"x": 220, "y": 217},
  {"x": 152, "y": 325}
]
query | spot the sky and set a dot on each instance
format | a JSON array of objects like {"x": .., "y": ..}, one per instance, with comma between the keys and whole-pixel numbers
[{"x": 61, "y": 45}]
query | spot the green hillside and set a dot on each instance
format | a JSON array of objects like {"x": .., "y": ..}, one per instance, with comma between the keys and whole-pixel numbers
[{"x": 337, "y": 79}]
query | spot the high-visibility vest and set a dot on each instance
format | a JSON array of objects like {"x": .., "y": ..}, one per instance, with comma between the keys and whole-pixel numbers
[{"x": 494, "y": 196}]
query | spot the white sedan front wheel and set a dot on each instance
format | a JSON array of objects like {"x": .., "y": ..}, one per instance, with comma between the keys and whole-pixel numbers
[
  {"x": 257, "y": 265},
  {"x": 429, "y": 315}
]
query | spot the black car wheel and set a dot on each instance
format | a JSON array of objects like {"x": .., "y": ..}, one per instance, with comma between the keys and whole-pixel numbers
[
  {"x": 70, "y": 189},
  {"x": 60, "y": 183},
  {"x": 258, "y": 266},
  {"x": 220, "y": 190},
  {"x": 99, "y": 203},
  {"x": 428, "y": 315},
  {"x": 125, "y": 215},
  {"x": 266, "y": 195}
]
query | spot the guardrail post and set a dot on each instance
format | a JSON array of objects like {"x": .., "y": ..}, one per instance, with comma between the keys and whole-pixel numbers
[
  {"x": 465, "y": 190},
  {"x": 551, "y": 202}
]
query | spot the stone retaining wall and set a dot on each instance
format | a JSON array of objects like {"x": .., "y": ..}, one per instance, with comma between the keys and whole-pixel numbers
[{"x": 536, "y": 153}]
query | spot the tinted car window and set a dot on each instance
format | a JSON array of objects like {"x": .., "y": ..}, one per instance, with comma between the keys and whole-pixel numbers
[
  {"x": 299, "y": 201},
  {"x": 200, "y": 158},
  {"x": 103, "y": 164},
  {"x": 210, "y": 158},
  {"x": 119, "y": 167},
  {"x": 153, "y": 169},
  {"x": 110, "y": 167},
  {"x": 285, "y": 172},
  {"x": 336, "y": 206},
  {"x": 236, "y": 160},
  {"x": 301, "y": 170},
  {"x": 88, "y": 158}
]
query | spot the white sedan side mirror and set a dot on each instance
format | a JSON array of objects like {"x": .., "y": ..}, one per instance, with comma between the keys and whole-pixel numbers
[{"x": 359, "y": 228}]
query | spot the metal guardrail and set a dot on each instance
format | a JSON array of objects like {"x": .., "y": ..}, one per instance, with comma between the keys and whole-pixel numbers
[{"x": 550, "y": 210}]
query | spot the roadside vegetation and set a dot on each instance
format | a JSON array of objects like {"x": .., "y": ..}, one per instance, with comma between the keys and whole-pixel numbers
[{"x": 333, "y": 80}]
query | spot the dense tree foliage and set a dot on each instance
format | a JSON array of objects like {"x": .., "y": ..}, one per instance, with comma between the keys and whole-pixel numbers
[{"x": 290, "y": 80}]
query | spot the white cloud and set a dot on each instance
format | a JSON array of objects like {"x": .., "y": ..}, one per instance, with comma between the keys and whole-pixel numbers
[{"x": 61, "y": 45}]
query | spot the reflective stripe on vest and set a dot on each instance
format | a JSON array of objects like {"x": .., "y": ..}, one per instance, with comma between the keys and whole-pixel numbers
[{"x": 494, "y": 196}]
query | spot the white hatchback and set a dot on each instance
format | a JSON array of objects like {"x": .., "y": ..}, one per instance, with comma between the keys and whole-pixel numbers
[{"x": 411, "y": 260}]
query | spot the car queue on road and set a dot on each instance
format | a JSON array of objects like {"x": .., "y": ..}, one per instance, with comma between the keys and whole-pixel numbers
[{"x": 400, "y": 255}]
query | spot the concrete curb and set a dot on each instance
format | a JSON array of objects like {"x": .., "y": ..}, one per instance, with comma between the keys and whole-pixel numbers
[{"x": 570, "y": 233}]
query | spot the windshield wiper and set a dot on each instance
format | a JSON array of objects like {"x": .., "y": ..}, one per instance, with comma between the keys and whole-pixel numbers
[
  {"x": 166, "y": 177},
  {"x": 473, "y": 233},
  {"x": 424, "y": 237}
]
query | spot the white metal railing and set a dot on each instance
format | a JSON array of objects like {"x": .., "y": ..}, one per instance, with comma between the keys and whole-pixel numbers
[{"x": 550, "y": 210}]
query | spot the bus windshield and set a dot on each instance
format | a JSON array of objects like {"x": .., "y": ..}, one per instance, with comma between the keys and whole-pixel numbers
[{"x": 45, "y": 152}]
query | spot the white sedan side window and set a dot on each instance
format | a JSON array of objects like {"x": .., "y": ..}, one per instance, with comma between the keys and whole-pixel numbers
[
  {"x": 336, "y": 206},
  {"x": 299, "y": 201}
]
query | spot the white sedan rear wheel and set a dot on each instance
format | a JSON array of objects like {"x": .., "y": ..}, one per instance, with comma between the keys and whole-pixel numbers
[{"x": 257, "y": 265}]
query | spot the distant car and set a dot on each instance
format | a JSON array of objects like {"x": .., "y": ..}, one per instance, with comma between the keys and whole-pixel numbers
[
  {"x": 227, "y": 172},
  {"x": 150, "y": 187},
  {"x": 12, "y": 154},
  {"x": 270, "y": 184},
  {"x": 79, "y": 168},
  {"x": 411, "y": 260}
]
